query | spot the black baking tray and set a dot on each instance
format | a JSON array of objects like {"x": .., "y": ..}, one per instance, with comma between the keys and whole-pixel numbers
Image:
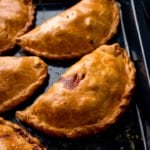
[{"x": 129, "y": 132}]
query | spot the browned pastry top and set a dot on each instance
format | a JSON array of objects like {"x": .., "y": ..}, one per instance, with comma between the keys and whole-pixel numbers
[
  {"x": 15, "y": 18},
  {"x": 19, "y": 78},
  {"x": 88, "y": 97},
  {"x": 13, "y": 137},
  {"x": 74, "y": 32}
]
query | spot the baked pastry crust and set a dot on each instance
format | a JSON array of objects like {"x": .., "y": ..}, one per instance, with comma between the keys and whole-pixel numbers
[
  {"x": 19, "y": 78},
  {"x": 75, "y": 32},
  {"x": 16, "y": 16},
  {"x": 88, "y": 97},
  {"x": 13, "y": 137}
]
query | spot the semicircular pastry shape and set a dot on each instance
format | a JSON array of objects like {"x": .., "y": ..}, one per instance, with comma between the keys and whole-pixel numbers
[
  {"x": 19, "y": 78},
  {"x": 16, "y": 17},
  {"x": 14, "y": 137},
  {"x": 88, "y": 97},
  {"x": 75, "y": 32}
]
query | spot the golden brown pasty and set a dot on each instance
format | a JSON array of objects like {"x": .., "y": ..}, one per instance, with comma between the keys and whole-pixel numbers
[
  {"x": 13, "y": 137},
  {"x": 75, "y": 32},
  {"x": 87, "y": 98},
  {"x": 16, "y": 16},
  {"x": 19, "y": 78}
]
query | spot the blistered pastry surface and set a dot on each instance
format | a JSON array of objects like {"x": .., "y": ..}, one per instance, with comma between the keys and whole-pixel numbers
[
  {"x": 75, "y": 32},
  {"x": 88, "y": 97},
  {"x": 13, "y": 137},
  {"x": 19, "y": 78},
  {"x": 16, "y": 17}
]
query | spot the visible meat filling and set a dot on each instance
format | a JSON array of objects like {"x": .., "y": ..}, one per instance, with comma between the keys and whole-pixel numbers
[{"x": 72, "y": 82}]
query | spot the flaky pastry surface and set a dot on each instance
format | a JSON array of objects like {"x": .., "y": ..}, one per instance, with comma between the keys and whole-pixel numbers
[
  {"x": 16, "y": 17},
  {"x": 88, "y": 97},
  {"x": 19, "y": 78},
  {"x": 75, "y": 32},
  {"x": 13, "y": 137}
]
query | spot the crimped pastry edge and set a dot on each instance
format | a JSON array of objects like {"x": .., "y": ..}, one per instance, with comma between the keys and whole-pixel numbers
[
  {"x": 21, "y": 97},
  {"x": 113, "y": 31},
  {"x": 23, "y": 30},
  {"x": 87, "y": 130},
  {"x": 22, "y": 132}
]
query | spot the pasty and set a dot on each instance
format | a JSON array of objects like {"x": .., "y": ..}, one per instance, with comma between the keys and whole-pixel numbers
[
  {"x": 16, "y": 16},
  {"x": 75, "y": 32},
  {"x": 13, "y": 137},
  {"x": 88, "y": 97},
  {"x": 19, "y": 78}
]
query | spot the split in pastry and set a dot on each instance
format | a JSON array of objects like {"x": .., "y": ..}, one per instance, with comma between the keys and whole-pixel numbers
[
  {"x": 19, "y": 78},
  {"x": 16, "y": 17},
  {"x": 88, "y": 97},
  {"x": 75, "y": 32},
  {"x": 14, "y": 137}
]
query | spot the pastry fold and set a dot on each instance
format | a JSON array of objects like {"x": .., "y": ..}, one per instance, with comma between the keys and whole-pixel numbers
[
  {"x": 14, "y": 137},
  {"x": 75, "y": 32},
  {"x": 16, "y": 16},
  {"x": 87, "y": 98},
  {"x": 19, "y": 78}
]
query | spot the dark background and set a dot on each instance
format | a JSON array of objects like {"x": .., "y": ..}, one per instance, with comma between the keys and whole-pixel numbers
[{"x": 133, "y": 128}]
